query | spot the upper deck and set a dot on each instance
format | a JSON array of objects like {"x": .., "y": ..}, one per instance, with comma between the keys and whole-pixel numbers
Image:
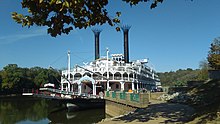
[{"x": 114, "y": 69}]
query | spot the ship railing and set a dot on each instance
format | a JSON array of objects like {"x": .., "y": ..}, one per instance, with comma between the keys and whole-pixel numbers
[
  {"x": 96, "y": 77},
  {"x": 64, "y": 71},
  {"x": 77, "y": 78},
  {"x": 125, "y": 78},
  {"x": 117, "y": 78},
  {"x": 82, "y": 95},
  {"x": 57, "y": 91},
  {"x": 131, "y": 78},
  {"x": 87, "y": 95},
  {"x": 78, "y": 70},
  {"x": 110, "y": 77}
]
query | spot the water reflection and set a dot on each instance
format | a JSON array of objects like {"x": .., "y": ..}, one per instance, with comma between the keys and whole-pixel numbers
[
  {"x": 80, "y": 117},
  {"x": 17, "y": 109},
  {"x": 24, "y": 110}
]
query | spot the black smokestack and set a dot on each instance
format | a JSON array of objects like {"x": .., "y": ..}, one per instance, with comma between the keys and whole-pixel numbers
[
  {"x": 96, "y": 33},
  {"x": 126, "y": 48}
]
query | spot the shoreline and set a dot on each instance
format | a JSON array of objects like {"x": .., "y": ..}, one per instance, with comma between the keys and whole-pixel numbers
[
  {"x": 10, "y": 95},
  {"x": 156, "y": 112}
]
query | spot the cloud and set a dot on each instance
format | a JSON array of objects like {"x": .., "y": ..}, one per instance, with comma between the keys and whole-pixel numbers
[{"x": 8, "y": 39}]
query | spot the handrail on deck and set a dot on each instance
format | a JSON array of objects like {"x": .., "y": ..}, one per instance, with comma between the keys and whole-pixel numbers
[{"x": 76, "y": 94}]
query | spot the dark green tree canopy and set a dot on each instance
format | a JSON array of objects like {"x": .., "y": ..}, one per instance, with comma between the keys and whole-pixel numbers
[
  {"x": 15, "y": 79},
  {"x": 182, "y": 76},
  {"x": 61, "y": 16},
  {"x": 214, "y": 54}
]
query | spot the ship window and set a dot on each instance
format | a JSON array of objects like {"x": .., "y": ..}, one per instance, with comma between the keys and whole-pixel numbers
[
  {"x": 71, "y": 75},
  {"x": 87, "y": 73},
  {"x": 77, "y": 76},
  {"x": 117, "y": 86},
  {"x": 131, "y": 75},
  {"x": 121, "y": 68}
]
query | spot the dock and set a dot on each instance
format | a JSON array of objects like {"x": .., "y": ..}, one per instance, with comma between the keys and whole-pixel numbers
[
  {"x": 120, "y": 103},
  {"x": 58, "y": 94}
]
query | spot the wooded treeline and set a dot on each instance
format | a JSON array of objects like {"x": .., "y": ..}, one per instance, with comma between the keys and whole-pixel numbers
[
  {"x": 182, "y": 76},
  {"x": 14, "y": 79}
]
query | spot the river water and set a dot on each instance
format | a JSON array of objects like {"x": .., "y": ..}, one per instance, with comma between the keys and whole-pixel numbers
[{"x": 30, "y": 110}]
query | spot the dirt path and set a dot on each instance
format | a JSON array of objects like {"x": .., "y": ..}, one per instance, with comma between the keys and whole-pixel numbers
[{"x": 155, "y": 114}]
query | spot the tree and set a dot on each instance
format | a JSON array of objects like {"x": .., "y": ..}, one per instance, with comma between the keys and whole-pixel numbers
[
  {"x": 204, "y": 64},
  {"x": 15, "y": 79},
  {"x": 203, "y": 72},
  {"x": 11, "y": 76},
  {"x": 182, "y": 76},
  {"x": 61, "y": 16},
  {"x": 214, "y": 54},
  {"x": 0, "y": 80},
  {"x": 41, "y": 78}
]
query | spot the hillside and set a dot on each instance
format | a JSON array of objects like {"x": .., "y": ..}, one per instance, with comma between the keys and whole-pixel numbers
[
  {"x": 205, "y": 99},
  {"x": 208, "y": 101},
  {"x": 182, "y": 76}
]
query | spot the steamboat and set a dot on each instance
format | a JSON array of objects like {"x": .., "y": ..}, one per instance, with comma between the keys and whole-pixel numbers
[{"x": 113, "y": 72}]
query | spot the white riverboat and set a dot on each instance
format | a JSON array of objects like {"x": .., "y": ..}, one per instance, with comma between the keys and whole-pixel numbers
[{"x": 109, "y": 73}]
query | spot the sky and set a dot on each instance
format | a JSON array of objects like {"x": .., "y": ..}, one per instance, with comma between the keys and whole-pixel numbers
[{"x": 175, "y": 35}]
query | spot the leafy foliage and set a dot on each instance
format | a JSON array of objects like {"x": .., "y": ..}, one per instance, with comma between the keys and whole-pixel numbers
[
  {"x": 214, "y": 54},
  {"x": 135, "y": 2},
  {"x": 181, "y": 77},
  {"x": 14, "y": 78},
  {"x": 61, "y": 16},
  {"x": 204, "y": 67},
  {"x": 0, "y": 80},
  {"x": 11, "y": 76}
]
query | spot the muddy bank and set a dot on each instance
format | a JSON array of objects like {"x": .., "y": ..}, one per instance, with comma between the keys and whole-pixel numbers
[{"x": 156, "y": 113}]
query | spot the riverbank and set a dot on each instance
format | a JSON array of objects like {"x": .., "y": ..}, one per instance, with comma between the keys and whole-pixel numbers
[
  {"x": 156, "y": 112},
  {"x": 9, "y": 95},
  {"x": 199, "y": 105}
]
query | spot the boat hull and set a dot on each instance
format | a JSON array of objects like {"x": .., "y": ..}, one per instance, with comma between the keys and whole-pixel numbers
[{"x": 81, "y": 104}]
